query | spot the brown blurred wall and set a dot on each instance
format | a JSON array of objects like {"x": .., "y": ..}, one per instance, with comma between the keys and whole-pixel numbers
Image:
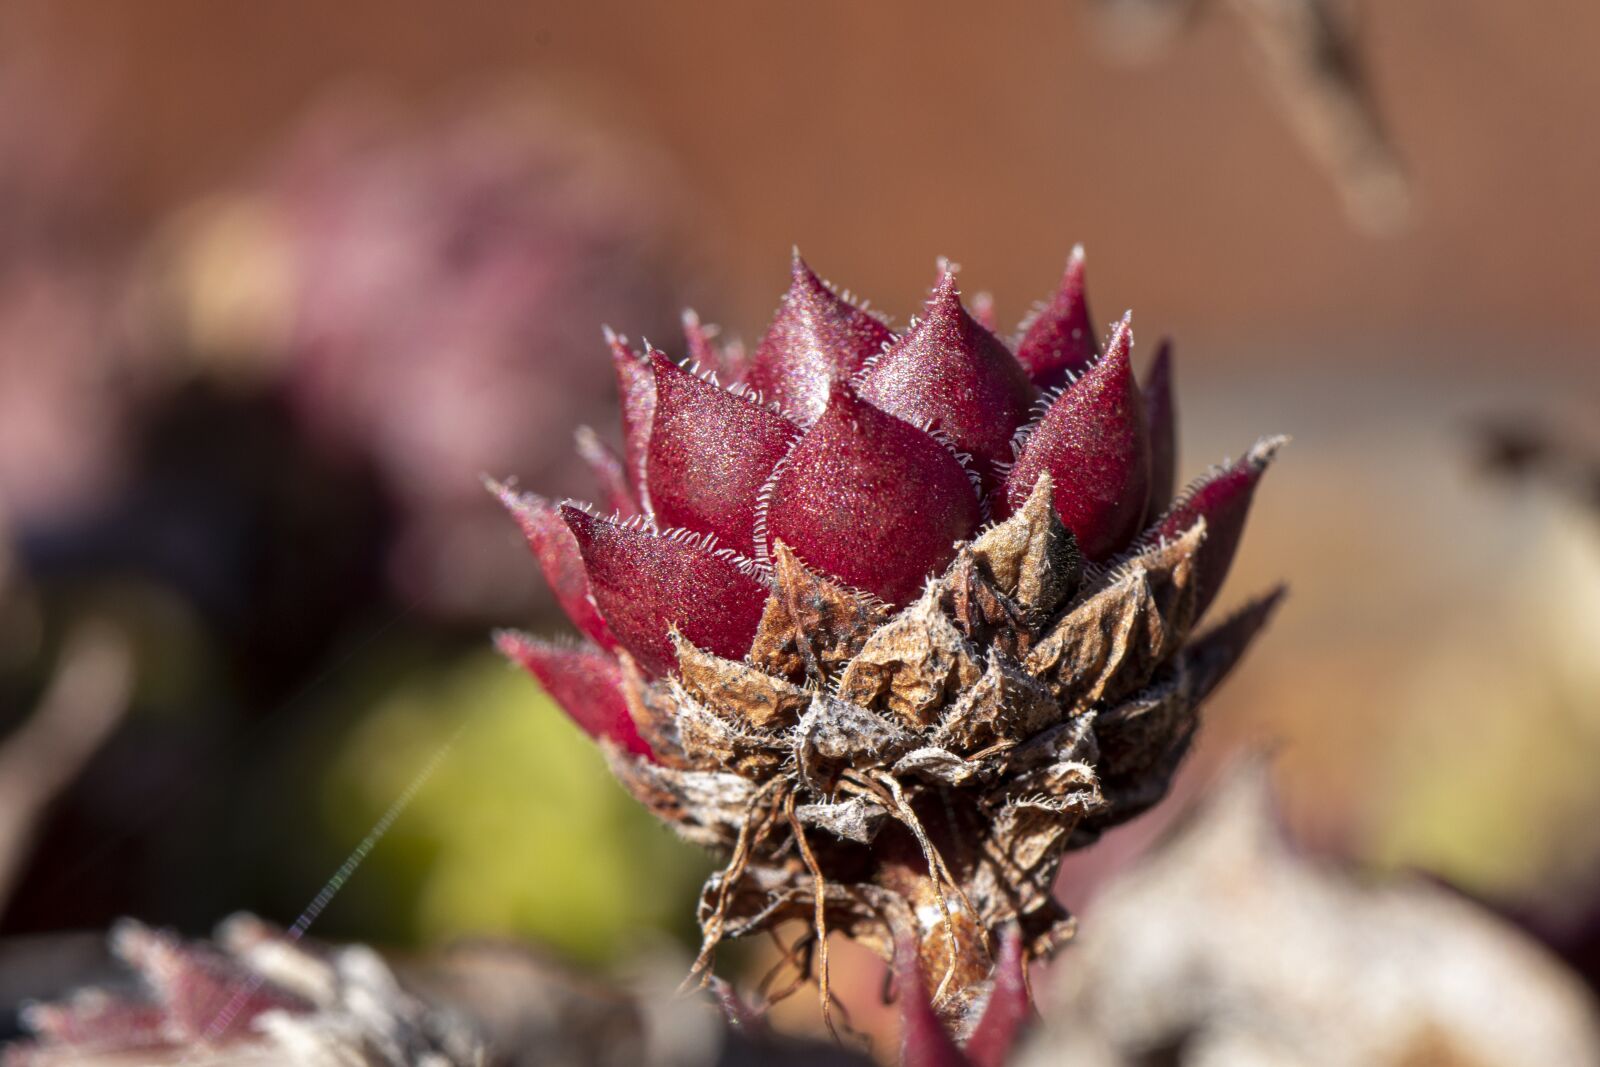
[{"x": 880, "y": 135}]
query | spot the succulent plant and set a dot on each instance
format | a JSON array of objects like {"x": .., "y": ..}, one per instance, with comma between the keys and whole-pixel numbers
[
  {"x": 253, "y": 996},
  {"x": 398, "y": 278},
  {"x": 894, "y": 620}
]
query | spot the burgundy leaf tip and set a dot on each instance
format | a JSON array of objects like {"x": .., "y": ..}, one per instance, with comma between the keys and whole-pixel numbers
[
  {"x": 553, "y": 546},
  {"x": 585, "y": 682},
  {"x": 1221, "y": 497},
  {"x": 709, "y": 351},
  {"x": 950, "y": 373},
  {"x": 816, "y": 338},
  {"x": 1094, "y": 442},
  {"x": 870, "y": 499},
  {"x": 709, "y": 454},
  {"x": 645, "y": 582},
  {"x": 1059, "y": 341}
]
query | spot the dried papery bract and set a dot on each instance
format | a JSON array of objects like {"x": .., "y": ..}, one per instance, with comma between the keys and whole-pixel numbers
[{"x": 889, "y": 719}]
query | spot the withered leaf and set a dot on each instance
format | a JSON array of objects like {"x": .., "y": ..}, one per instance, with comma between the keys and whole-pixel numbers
[
  {"x": 1006, "y": 704},
  {"x": 1072, "y": 742},
  {"x": 835, "y": 735},
  {"x": 937, "y": 765},
  {"x": 1031, "y": 833},
  {"x": 1065, "y": 779},
  {"x": 811, "y": 626},
  {"x": 856, "y": 819},
  {"x": 1031, "y": 555},
  {"x": 912, "y": 665},
  {"x": 737, "y": 691},
  {"x": 1111, "y": 643},
  {"x": 704, "y": 807},
  {"x": 1139, "y": 731},
  {"x": 710, "y": 741},
  {"x": 651, "y": 708},
  {"x": 981, "y": 611}
]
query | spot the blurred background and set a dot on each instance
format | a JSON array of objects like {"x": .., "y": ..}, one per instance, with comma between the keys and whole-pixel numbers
[{"x": 278, "y": 282}]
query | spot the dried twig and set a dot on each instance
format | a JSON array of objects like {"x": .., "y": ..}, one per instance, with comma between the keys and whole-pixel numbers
[
  {"x": 1318, "y": 77},
  {"x": 85, "y": 701}
]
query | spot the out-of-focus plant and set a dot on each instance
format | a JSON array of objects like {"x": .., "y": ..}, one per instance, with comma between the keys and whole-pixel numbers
[
  {"x": 249, "y": 444},
  {"x": 256, "y": 996},
  {"x": 1228, "y": 945},
  {"x": 1317, "y": 74},
  {"x": 542, "y": 846},
  {"x": 426, "y": 293}
]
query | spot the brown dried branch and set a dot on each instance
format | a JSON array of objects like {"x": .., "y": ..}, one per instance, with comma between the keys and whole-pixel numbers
[
  {"x": 86, "y": 699},
  {"x": 1317, "y": 75}
]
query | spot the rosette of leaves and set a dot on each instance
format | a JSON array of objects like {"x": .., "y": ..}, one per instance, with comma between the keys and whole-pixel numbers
[
  {"x": 253, "y": 996},
  {"x": 894, "y": 620}
]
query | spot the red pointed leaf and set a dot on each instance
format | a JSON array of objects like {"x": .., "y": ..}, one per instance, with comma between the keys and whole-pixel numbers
[
  {"x": 709, "y": 454},
  {"x": 871, "y": 500},
  {"x": 1060, "y": 340},
  {"x": 726, "y": 359},
  {"x": 1094, "y": 443},
  {"x": 1222, "y": 498},
  {"x": 609, "y": 476},
  {"x": 1162, "y": 417},
  {"x": 816, "y": 339},
  {"x": 1213, "y": 655},
  {"x": 951, "y": 372},
  {"x": 924, "y": 1042},
  {"x": 645, "y": 584},
  {"x": 557, "y": 552},
  {"x": 585, "y": 681},
  {"x": 1008, "y": 1009},
  {"x": 636, "y": 389}
]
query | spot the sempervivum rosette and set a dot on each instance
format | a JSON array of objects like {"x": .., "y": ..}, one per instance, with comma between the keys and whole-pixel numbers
[
  {"x": 255, "y": 996},
  {"x": 896, "y": 619}
]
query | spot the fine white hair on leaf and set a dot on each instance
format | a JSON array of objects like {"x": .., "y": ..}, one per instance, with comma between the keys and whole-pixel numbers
[
  {"x": 1036, "y": 413},
  {"x": 859, "y": 378},
  {"x": 964, "y": 459},
  {"x": 764, "y": 502}
]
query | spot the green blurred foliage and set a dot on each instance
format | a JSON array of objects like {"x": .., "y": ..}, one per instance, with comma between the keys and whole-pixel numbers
[{"x": 521, "y": 830}]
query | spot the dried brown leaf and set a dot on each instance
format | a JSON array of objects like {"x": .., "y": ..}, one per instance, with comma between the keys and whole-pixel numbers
[
  {"x": 836, "y": 736},
  {"x": 704, "y": 807},
  {"x": 1031, "y": 556},
  {"x": 912, "y": 666},
  {"x": 1111, "y": 644},
  {"x": 1006, "y": 705},
  {"x": 811, "y": 626},
  {"x": 988, "y": 617},
  {"x": 711, "y": 741},
  {"x": 738, "y": 692}
]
